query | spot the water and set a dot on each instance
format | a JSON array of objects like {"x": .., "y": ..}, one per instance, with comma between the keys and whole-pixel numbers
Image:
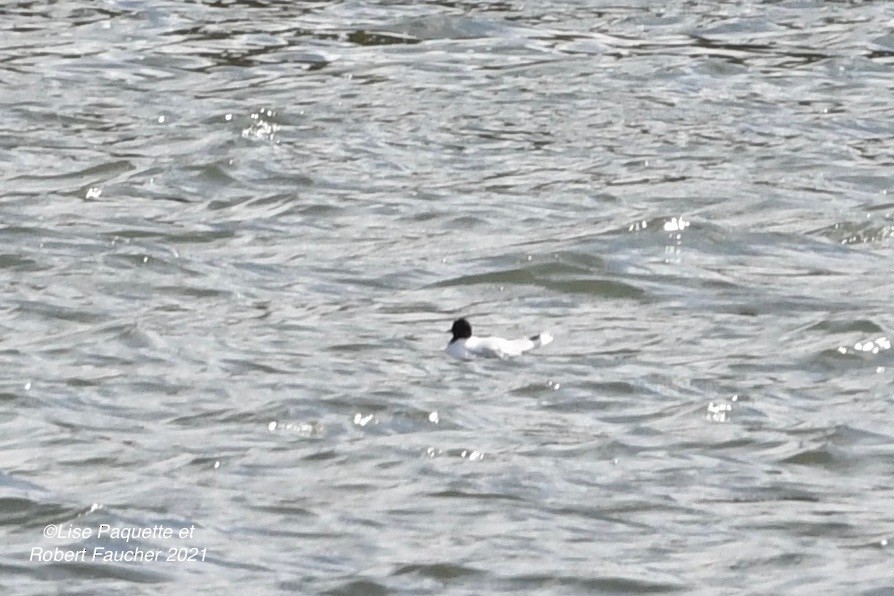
[{"x": 233, "y": 235}]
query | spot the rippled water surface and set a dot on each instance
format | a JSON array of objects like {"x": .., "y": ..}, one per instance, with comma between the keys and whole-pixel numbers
[{"x": 232, "y": 235}]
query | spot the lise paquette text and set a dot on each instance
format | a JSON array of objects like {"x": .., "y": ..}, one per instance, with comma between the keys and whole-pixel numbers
[{"x": 72, "y": 532}]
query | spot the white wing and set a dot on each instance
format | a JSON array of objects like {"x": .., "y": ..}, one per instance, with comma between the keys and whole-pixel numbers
[
  {"x": 497, "y": 347},
  {"x": 485, "y": 347}
]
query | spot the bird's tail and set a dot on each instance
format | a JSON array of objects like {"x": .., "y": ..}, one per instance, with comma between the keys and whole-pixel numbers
[{"x": 541, "y": 339}]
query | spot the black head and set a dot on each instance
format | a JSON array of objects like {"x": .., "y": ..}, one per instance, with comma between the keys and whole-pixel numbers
[{"x": 460, "y": 330}]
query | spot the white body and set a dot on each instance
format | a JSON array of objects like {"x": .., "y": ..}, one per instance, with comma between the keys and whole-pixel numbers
[{"x": 495, "y": 347}]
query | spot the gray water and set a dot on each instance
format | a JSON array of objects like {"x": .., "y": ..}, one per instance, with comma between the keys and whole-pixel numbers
[{"x": 232, "y": 235}]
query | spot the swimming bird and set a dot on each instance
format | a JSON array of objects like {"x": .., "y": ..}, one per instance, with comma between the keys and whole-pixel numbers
[{"x": 466, "y": 346}]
